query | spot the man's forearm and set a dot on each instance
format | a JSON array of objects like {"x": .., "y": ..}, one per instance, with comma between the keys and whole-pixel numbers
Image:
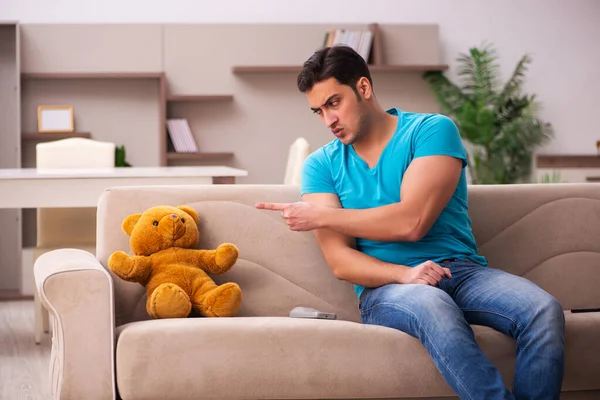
[
  {"x": 393, "y": 222},
  {"x": 359, "y": 268}
]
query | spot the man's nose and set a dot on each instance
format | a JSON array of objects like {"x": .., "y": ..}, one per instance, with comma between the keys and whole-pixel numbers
[{"x": 330, "y": 119}]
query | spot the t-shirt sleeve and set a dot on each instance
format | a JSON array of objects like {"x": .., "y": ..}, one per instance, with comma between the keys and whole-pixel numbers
[
  {"x": 438, "y": 135},
  {"x": 316, "y": 174}
]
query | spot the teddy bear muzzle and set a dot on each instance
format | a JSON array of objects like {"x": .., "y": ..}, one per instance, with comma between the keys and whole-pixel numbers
[{"x": 172, "y": 227}]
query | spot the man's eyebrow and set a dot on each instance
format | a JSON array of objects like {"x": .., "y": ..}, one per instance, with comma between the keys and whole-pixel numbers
[{"x": 326, "y": 101}]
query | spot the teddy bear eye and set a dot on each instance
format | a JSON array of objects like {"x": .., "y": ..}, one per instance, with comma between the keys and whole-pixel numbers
[
  {"x": 183, "y": 220},
  {"x": 155, "y": 223}
]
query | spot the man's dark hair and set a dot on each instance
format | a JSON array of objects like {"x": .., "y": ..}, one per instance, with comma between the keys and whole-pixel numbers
[{"x": 339, "y": 62}]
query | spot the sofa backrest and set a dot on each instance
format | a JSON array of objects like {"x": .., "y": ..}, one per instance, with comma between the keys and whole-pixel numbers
[
  {"x": 548, "y": 233},
  {"x": 277, "y": 269}
]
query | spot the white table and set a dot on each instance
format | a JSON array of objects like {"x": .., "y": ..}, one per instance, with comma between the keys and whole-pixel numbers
[{"x": 40, "y": 188}]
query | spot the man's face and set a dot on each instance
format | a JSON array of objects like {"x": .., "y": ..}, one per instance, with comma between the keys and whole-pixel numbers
[{"x": 339, "y": 108}]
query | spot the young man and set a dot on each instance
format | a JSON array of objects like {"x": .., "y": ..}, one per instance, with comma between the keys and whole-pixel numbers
[{"x": 387, "y": 202}]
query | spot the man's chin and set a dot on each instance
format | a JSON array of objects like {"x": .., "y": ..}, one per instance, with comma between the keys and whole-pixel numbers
[{"x": 347, "y": 139}]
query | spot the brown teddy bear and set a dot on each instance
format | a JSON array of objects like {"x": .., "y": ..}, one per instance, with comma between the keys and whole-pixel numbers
[{"x": 173, "y": 271}]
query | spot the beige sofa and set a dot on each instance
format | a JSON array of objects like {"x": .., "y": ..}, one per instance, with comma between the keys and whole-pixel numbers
[{"x": 105, "y": 346}]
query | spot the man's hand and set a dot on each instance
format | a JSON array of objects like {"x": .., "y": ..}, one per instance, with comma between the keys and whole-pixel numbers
[
  {"x": 299, "y": 216},
  {"x": 428, "y": 273}
]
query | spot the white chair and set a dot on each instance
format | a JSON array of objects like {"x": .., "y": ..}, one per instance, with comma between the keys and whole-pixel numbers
[
  {"x": 298, "y": 152},
  {"x": 67, "y": 227}
]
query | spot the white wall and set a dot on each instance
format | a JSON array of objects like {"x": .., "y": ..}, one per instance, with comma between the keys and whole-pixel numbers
[{"x": 562, "y": 36}]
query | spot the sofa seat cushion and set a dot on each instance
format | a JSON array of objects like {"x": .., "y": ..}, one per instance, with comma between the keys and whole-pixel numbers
[{"x": 286, "y": 358}]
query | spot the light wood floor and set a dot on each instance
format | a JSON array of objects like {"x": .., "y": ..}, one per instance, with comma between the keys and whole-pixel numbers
[{"x": 23, "y": 364}]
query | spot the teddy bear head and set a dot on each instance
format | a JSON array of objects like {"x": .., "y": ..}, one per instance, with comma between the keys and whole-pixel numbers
[{"x": 161, "y": 227}]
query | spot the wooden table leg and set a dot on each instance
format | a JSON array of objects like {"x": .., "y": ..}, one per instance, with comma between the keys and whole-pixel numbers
[{"x": 223, "y": 180}]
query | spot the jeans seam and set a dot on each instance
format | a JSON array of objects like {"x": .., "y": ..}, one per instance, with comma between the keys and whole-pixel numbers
[
  {"x": 434, "y": 347},
  {"x": 372, "y": 307},
  {"x": 508, "y": 318},
  {"x": 495, "y": 313}
]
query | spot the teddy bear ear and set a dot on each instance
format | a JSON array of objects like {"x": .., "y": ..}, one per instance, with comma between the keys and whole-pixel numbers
[
  {"x": 190, "y": 211},
  {"x": 129, "y": 223}
]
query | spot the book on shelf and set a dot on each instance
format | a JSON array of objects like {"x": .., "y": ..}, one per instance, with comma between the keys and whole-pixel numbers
[
  {"x": 181, "y": 135},
  {"x": 360, "y": 40}
]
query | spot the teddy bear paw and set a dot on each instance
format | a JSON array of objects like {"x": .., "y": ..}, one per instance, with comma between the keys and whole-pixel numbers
[
  {"x": 223, "y": 301},
  {"x": 169, "y": 301},
  {"x": 120, "y": 263},
  {"x": 226, "y": 256}
]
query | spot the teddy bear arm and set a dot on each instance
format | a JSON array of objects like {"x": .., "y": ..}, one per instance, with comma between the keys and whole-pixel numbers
[
  {"x": 142, "y": 266},
  {"x": 217, "y": 261},
  {"x": 203, "y": 259},
  {"x": 130, "y": 268}
]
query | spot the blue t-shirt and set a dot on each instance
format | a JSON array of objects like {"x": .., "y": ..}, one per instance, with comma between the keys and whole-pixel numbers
[{"x": 336, "y": 168}]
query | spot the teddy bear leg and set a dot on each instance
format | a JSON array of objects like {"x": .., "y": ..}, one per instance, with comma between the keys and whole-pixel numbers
[
  {"x": 169, "y": 301},
  {"x": 220, "y": 301}
]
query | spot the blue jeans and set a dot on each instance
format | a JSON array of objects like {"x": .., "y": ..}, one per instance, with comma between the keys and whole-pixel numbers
[{"x": 440, "y": 317}]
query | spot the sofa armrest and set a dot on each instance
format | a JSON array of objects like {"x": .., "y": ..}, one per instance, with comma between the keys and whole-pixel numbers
[{"x": 78, "y": 292}]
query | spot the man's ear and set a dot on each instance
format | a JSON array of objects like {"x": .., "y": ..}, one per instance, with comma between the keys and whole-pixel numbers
[
  {"x": 364, "y": 88},
  {"x": 130, "y": 222},
  {"x": 190, "y": 211}
]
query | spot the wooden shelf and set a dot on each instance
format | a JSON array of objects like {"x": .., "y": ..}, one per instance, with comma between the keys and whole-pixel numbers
[
  {"x": 239, "y": 69},
  {"x": 53, "y": 135},
  {"x": 567, "y": 161},
  {"x": 199, "y": 97},
  {"x": 94, "y": 75},
  {"x": 408, "y": 68},
  {"x": 197, "y": 156}
]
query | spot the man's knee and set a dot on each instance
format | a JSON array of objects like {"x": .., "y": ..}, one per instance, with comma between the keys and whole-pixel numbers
[
  {"x": 547, "y": 313},
  {"x": 554, "y": 310}
]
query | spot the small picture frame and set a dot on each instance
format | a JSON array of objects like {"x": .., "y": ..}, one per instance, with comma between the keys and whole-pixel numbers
[{"x": 55, "y": 119}]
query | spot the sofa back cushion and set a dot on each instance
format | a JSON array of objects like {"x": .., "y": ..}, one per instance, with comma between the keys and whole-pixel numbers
[
  {"x": 546, "y": 233},
  {"x": 277, "y": 269}
]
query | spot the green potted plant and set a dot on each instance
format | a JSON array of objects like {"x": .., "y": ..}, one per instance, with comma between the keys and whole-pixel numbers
[
  {"x": 499, "y": 122},
  {"x": 120, "y": 160}
]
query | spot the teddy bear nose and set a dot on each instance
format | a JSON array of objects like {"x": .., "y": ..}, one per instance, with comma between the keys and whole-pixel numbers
[{"x": 173, "y": 216}]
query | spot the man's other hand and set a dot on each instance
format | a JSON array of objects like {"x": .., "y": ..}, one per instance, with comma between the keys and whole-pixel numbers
[
  {"x": 299, "y": 216},
  {"x": 428, "y": 273}
]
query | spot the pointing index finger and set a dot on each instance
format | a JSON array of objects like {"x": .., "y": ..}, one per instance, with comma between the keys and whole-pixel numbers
[{"x": 271, "y": 206}]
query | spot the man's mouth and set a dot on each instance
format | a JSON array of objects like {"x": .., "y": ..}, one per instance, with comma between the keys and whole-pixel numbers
[{"x": 337, "y": 132}]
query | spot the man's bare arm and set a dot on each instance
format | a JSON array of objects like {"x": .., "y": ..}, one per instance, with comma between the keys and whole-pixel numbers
[
  {"x": 427, "y": 186},
  {"x": 354, "y": 266}
]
